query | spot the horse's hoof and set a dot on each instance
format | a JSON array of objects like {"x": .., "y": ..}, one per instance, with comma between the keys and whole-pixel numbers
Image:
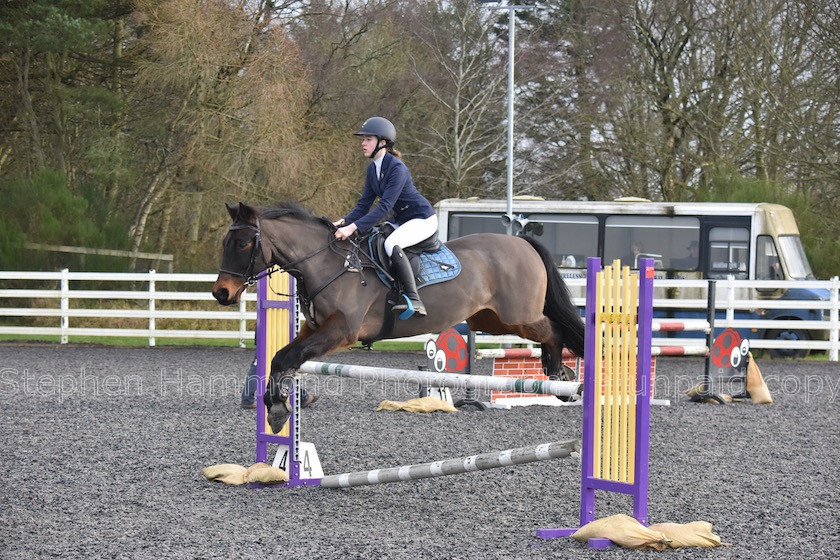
[
  {"x": 278, "y": 415},
  {"x": 565, "y": 374}
]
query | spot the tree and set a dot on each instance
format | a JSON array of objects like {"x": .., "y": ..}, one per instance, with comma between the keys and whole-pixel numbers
[
  {"x": 460, "y": 72},
  {"x": 220, "y": 109},
  {"x": 42, "y": 209},
  {"x": 59, "y": 99},
  {"x": 568, "y": 53}
]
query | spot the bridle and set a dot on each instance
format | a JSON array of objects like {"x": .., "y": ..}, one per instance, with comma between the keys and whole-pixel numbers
[
  {"x": 352, "y": 263},
  {"x": 250, "y": 278}
]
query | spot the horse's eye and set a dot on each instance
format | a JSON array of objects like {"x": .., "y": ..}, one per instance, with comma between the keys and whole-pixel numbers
[{"x": 242, "y": 243}]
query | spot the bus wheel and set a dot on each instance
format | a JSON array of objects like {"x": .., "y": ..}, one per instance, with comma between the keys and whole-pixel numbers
[{"x": 788, "y": 335}]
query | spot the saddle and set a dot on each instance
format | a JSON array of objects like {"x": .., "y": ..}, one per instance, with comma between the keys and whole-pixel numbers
[{"x": 431, "y": 261}]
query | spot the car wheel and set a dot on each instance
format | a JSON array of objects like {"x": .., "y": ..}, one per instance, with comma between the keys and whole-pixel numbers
[{"x": 788, "y": 334}]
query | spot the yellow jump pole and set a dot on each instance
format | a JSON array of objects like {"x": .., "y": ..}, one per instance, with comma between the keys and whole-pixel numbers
[
  {"x": 609, "y": 365},
  {"x": 598, "y": 370}
]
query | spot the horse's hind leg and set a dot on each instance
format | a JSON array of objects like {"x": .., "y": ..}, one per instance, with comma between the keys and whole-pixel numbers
[
  {"x": 550, "y": 338},
  {"x": 543, "y": 331}
]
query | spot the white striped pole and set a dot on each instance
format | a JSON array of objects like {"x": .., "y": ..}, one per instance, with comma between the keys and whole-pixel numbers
[
  {"x": 658, "y": 349},
  {"x": 455, "y": 380},
  {"x": 685, "y": 350},
  {"x": 484, "y": 461},
  {"x": 701, "y": 325}
]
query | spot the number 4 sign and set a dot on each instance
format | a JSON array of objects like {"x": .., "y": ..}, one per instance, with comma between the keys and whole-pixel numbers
[{"x": 310, "y": 465}]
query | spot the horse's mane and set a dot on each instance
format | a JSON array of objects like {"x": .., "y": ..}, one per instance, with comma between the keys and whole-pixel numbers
[{"x": 294, "y": 210}]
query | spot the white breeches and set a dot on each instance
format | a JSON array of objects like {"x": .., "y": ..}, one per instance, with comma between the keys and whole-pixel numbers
[{"x": 411, "y": 233}]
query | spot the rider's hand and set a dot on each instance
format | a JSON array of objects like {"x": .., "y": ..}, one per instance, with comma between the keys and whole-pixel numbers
[
  {"x": 339, "y": 223},
  {"x": 345, "y": 232}
]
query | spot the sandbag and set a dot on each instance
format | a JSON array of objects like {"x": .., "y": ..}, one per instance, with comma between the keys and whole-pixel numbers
[
  {"x": 698, "y": 389},
  {"x": 254, "y": 467},
  {"x": 227, "y": 473},
  {"x": 696, "y": 533},
  {"x": 423, "y": 404},
  {"x": 624, "y": 531},
  {"x": 267, "y": 474},
  {"x": 237, "y": 474},
  {"x": 756, "y": 387}
]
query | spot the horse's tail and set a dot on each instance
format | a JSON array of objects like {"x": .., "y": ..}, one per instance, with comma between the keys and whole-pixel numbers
[{"x": 559, "y": 307}]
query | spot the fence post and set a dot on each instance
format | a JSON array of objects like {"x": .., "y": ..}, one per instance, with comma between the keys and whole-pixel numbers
[
  {"x": 65, "y": 305},
  {"x": 242, "y": 310},
  {"x": 152, "y": 307},
  {"x": 711, "y": 313},
  {"x": 833, "y": 320},
  {"x": 730, "y": 301}
]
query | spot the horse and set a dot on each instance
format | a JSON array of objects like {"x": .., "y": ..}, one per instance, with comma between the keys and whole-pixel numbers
[{"x": 507, "y": 285}]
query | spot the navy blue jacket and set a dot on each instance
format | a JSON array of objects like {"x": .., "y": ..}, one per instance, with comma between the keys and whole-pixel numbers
[{"x": 398, "y": 197}]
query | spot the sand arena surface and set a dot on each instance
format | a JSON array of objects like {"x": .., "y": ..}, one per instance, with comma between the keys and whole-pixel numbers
[{"x": 102, "y": 450}]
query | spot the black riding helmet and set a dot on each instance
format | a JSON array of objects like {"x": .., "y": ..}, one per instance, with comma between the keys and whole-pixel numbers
[{"x": 380, "y": 127}]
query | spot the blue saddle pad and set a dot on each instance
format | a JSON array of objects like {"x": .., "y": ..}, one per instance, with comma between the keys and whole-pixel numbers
[
  {"x": 440, "y": 266},
  {"x": 435, "y": 267}
]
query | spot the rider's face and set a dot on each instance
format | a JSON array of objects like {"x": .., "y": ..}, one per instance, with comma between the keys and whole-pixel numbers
[{"x": 368, "y": 145}]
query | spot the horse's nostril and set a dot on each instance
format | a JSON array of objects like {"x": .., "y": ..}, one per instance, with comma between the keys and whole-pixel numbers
[{"x": 221, "y": 295}]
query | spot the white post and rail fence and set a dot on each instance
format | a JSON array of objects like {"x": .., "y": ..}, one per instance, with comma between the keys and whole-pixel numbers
[{"x": 153, "y": 305}]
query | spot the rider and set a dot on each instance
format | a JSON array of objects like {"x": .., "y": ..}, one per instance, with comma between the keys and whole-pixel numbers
[{"x": 389, "y": 179}]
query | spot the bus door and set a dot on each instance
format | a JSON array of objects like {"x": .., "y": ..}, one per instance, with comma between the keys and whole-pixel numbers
[
  {"x": 728, "y": 243},
  {"x": 721, "y": 248}
]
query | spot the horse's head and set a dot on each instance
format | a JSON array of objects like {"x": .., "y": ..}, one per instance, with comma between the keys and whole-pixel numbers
[{"x": 242, "y": 254}]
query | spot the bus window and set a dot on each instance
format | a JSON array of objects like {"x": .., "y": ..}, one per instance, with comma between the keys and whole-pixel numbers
[
  {"x": 690, "y": 261},
  {"x": 728, "y": 252},
  {"x": 662, "y": 238},
  {"x": 797, "y": 263},
  {"x": 466, "y": 223},
  {"x": 570, "y": 237},
  {"x": 767, "y": 265}
]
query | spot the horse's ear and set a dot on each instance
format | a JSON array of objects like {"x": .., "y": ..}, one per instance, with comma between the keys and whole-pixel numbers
[
  {"x": 233, "y": 210},
  {"x": 246, "y": 213}
]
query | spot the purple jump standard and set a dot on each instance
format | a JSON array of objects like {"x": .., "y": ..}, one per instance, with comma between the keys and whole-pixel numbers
[{"x": 592, "y": 398}]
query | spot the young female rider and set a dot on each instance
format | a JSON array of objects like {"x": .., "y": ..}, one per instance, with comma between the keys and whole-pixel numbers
[{"x": 389, "y": 179}]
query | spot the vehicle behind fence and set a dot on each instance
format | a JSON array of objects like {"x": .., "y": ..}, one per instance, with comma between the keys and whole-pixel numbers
[{"x": 754, "y": 249}]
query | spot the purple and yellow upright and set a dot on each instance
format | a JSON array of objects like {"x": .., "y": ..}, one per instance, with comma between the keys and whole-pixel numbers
[{"x": 616, "y": 394}]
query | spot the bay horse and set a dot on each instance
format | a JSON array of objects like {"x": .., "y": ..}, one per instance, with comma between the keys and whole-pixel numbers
[{"x": 507, "y": 285}]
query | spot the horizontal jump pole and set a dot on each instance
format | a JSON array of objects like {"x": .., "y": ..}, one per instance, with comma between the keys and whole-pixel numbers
[
  {"x": 495, "y": 353},
  {"x": 526, "y": 353},
  {"x": 673, "y": 325},
  {"x": 453, "y": 380},
  {"x": 680, "y": 325},
  {"x": 481, "y": 462},
  {"x": 687, "y": 350}
]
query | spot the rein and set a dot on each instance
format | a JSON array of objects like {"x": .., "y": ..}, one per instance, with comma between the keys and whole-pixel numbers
[{"x": 352, "y": 263}]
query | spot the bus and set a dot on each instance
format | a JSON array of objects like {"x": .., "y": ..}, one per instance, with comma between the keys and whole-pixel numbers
[{"x": 693, "y": 240}]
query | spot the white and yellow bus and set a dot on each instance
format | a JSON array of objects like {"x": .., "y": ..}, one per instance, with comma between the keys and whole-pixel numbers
[{"x": 695, "y": 240}]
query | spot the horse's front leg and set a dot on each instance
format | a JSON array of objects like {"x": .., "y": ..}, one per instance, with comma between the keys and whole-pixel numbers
[
  {"x": 277, "y": 390},
  {"x": 309, "y": 344}
]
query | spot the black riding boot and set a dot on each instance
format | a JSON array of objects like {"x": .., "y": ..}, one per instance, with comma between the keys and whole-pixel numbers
[{"x": 402, "y": 269}]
